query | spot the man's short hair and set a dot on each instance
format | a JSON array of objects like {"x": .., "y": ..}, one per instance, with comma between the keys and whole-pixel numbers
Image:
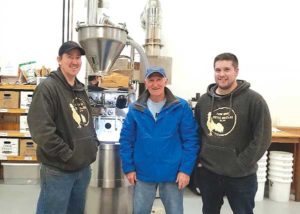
[{"x": 229, "y": 57}]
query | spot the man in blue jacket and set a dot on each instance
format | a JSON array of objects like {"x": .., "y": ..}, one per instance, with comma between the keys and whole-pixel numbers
[{"x": 159, "y": 145}]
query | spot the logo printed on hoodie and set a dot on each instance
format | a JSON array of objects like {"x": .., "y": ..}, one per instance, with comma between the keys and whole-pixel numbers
[
  {"x": 221, "y": 121},
  {"x": 80, "y": 113}
]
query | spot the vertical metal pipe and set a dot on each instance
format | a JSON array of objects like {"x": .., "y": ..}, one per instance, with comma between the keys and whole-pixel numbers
[
  {"x": 68, "y": 21},
  {"x": 63, "y": 21},
  {"x": 71, "y": 12},
  {"x": 92, "y": 11},
  {"x": 151, "y": 22},
  {"x": 132, "y": 58}
]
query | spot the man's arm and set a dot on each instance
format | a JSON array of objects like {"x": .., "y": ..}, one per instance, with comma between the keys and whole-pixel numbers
[
  {"x": 262, "y": 133},
  {"x": 190, "y": 140},
  {"x": 42, "y": 125},
  {"x": 127, "y": 138}
]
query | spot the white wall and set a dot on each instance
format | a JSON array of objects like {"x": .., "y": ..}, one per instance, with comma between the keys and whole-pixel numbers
[
  {"x": 31, "y": 30},
  {"x": 264, "y": 34}
]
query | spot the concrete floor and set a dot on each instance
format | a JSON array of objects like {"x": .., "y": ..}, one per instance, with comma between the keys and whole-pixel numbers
[{"x": 21, "y": 199}]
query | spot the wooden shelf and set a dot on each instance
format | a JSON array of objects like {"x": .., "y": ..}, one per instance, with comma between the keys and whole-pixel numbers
[
  {"x": 10, "y": 124},
  {"x": 14, "y": 133},
  {"x": 18, "y": 158},
  {"x": 14, "y": 111},
  {"x": 285, "y": 136},
  {"x": 17, "y": 87}
]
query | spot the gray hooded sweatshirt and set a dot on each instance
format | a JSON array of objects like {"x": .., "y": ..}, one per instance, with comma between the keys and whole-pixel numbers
[
  {"x": 61, "y": 125},
  {"x": 235, "y": 128}
]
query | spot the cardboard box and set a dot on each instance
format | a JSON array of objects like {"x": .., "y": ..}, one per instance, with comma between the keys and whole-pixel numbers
[
  {"x": 25, "y": 100},
  {"x": 9, "y": 147},
  {"x": 115, "y": 80},
  {"x": 9, "y": 99},
  {"x": 27, "y": 148},
  {"x": 23, "y": 123},
  {"x": 21, "y": 173}
]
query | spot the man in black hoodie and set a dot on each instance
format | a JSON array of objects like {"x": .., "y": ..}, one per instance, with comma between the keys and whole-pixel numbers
[
  {"x": 61, "y": 125},
  {"x": 235, "y": 126}
]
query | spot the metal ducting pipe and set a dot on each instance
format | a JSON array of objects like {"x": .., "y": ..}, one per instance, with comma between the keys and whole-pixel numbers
[
  {"x": 144, "y": 59},
  {"x": 92, "y": 11},
  {"x": 151, "y": 22}
]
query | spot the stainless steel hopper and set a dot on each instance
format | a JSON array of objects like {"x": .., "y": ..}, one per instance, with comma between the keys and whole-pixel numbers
[{"x": 103, "y": 44}]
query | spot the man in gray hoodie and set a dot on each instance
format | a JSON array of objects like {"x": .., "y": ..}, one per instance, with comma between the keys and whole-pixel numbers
[
  {"x": 61, "y": 125},
  {"x": 235, "y": 126}
]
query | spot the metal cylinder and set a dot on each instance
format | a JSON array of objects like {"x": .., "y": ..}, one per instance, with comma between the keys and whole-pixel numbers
[
  {"x": 109, "y": 191},
  {"x": 151, "y": 22},
  {"x": 109, "y": 200},
  {"x": 92, "y": 11},
  {"x": 109, "y": 167}
]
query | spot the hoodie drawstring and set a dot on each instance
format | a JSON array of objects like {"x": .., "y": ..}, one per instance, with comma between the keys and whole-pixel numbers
[
  {"x": 212, "y": 106},
  {"x": 230, "y": 103}
]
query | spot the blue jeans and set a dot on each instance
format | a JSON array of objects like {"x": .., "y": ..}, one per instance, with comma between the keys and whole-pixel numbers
[
  {"x": 145, "y": 192},
  {"x": 240, "y": 192},
  {"x": 63, "y": 192}
]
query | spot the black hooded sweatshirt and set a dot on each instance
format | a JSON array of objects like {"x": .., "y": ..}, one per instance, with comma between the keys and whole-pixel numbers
[
  {"x": 61, "y": 125},
  {"x": 235, "y": 128}
]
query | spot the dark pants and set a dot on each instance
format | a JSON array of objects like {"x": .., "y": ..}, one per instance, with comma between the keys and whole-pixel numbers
[{"x": 240, "y": 192}]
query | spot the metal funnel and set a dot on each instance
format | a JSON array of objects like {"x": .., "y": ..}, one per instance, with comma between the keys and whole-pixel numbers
[{"x": 103, "y": 44}]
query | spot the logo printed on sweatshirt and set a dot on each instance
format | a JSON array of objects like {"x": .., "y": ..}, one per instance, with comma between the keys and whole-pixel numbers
[
  {"x": 221, "y": 121},
  {"x": 80, "y": 113}
]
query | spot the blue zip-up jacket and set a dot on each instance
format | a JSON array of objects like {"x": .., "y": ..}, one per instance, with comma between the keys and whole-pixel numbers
[{"x": 158, "y": 149}]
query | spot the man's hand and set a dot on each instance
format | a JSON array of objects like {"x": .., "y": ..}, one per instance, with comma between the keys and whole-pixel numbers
[
  {"x": 131, "y": 176},
  {"x": 182, "y": 180}
]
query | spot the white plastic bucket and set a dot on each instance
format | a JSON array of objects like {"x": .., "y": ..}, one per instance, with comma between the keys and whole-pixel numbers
[
  {"x": 280, "y": 179},
  {"x": 276, "y": 168},
  {"x": 262, "y": 169},
  {"x": 261, "y": 174},
  {"x": 262, "y": 164},
  {"x": 259, "y": 196},
  {"x": 280, "y": 174},
  {"x": 281, "y": 162},
  {"x": 261, "y": 179},
  {"x": 279, "y": 189},
  {"x": 265, "y": 155},
  {"x": 263, "y": 158},
  {"x": 285, "y": 160},
  {"x": 281, "y": 154}
]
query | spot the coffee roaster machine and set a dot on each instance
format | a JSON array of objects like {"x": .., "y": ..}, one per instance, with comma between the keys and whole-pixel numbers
[{"x": 103, "y": 42}]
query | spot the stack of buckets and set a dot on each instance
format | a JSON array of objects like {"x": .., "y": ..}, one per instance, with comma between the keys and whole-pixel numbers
[
  {"x": 280, "y": 175},
  {"x": 261, "y": 177}
]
